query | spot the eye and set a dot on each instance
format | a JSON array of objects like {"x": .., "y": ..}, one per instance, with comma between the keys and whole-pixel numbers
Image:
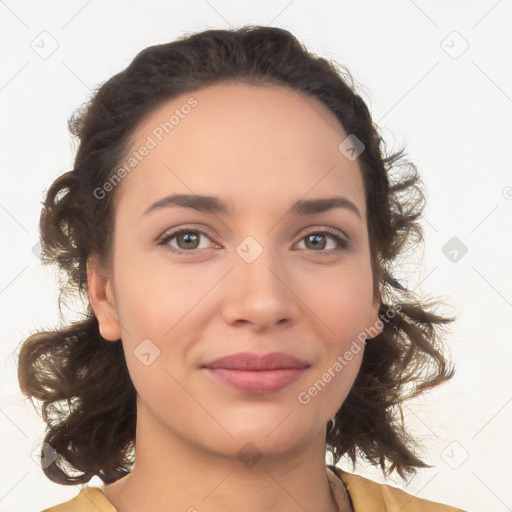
[
  {"x": 314, "y": 239},
  {"x": 188, "y": 241},
  {"x": 187, "y": 238}
]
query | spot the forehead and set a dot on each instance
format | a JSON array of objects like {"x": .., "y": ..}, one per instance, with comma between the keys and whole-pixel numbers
[{"x": 245, "y": 143}]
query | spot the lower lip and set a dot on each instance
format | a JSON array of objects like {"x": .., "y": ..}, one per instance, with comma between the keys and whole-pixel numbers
[{"x": 260, "y": 382}]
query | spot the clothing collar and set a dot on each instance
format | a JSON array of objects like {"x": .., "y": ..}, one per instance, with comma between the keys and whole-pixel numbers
[{"x": 338, "y": 488}]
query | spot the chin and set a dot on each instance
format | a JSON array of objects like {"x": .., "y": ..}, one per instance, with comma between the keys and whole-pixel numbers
[
  {"x": 267, "y": 434},
  {"x": 250, "y": 448}
]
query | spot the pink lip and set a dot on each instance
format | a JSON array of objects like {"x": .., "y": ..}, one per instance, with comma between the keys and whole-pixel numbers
[{"x": 252, "y": 373}]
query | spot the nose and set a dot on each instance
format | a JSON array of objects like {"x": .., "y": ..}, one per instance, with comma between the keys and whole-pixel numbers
[{"x": 260, "y": 294}]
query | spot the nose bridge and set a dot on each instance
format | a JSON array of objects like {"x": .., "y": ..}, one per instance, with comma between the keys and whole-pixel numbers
[
  {"x": 259, "y": 292},
  {"x": 256, "y": 266}
]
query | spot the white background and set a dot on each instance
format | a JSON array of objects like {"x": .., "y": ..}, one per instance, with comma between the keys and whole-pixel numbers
[{"x": 452, "y": 111}]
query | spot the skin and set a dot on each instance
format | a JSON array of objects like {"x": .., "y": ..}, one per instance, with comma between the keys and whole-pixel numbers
[{"x": 261, "y": 149}]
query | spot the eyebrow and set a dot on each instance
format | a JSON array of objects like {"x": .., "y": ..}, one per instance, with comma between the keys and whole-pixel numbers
[{"x": 212, "y": 204}]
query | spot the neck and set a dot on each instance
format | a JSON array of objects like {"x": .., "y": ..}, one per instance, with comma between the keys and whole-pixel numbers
[{"x": 172, "y": 474}]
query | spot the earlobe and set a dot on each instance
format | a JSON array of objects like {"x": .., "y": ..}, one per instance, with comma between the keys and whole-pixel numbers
[{"x": 102, "y": 300}]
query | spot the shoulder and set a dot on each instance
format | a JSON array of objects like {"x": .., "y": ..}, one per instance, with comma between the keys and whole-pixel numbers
[
  {"x": 89, "y": 499},
  {"x": 367, "y": 495}
]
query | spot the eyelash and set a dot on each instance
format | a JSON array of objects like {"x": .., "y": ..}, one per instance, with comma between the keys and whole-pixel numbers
[{"x": 343, "y": 243}]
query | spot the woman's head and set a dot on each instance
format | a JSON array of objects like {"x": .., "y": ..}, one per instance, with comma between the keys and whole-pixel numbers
[
  {"x": 252, "y": 278},
  {"x": 250, "y": 118}
]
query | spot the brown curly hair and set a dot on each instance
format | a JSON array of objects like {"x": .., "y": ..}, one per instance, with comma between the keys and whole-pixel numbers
[{"x": 87, "y": 397}]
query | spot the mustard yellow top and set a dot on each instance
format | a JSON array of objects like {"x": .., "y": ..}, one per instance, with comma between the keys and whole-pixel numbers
[{"x": 365, "y": 495}]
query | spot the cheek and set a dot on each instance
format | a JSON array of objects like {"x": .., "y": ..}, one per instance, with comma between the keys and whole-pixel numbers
[
  {"x": 157, "y": 313},
  {"x": 342, "y": 299},
  {"x": 340, "y": 303},
  {"x": 153, "y": 298}
]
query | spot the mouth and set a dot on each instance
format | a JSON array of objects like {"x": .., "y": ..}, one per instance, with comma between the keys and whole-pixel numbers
[
  {"x": 256, "y": 381},
  {"x": 258, "y": 374}
]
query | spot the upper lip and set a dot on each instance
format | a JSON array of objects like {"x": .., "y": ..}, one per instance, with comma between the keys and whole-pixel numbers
[{"x": 255, "y": 362}]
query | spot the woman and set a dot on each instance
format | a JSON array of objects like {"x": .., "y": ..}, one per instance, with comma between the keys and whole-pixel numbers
[{"x": 227, "y": 368}]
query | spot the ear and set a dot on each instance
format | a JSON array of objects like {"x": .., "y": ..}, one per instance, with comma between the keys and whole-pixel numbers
[
  {"x": 375, "y": 325},
  {"x": 102, "y": 299}
]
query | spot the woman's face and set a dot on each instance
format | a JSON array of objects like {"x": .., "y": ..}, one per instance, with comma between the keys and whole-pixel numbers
[{"x": 255, "y": 276}]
